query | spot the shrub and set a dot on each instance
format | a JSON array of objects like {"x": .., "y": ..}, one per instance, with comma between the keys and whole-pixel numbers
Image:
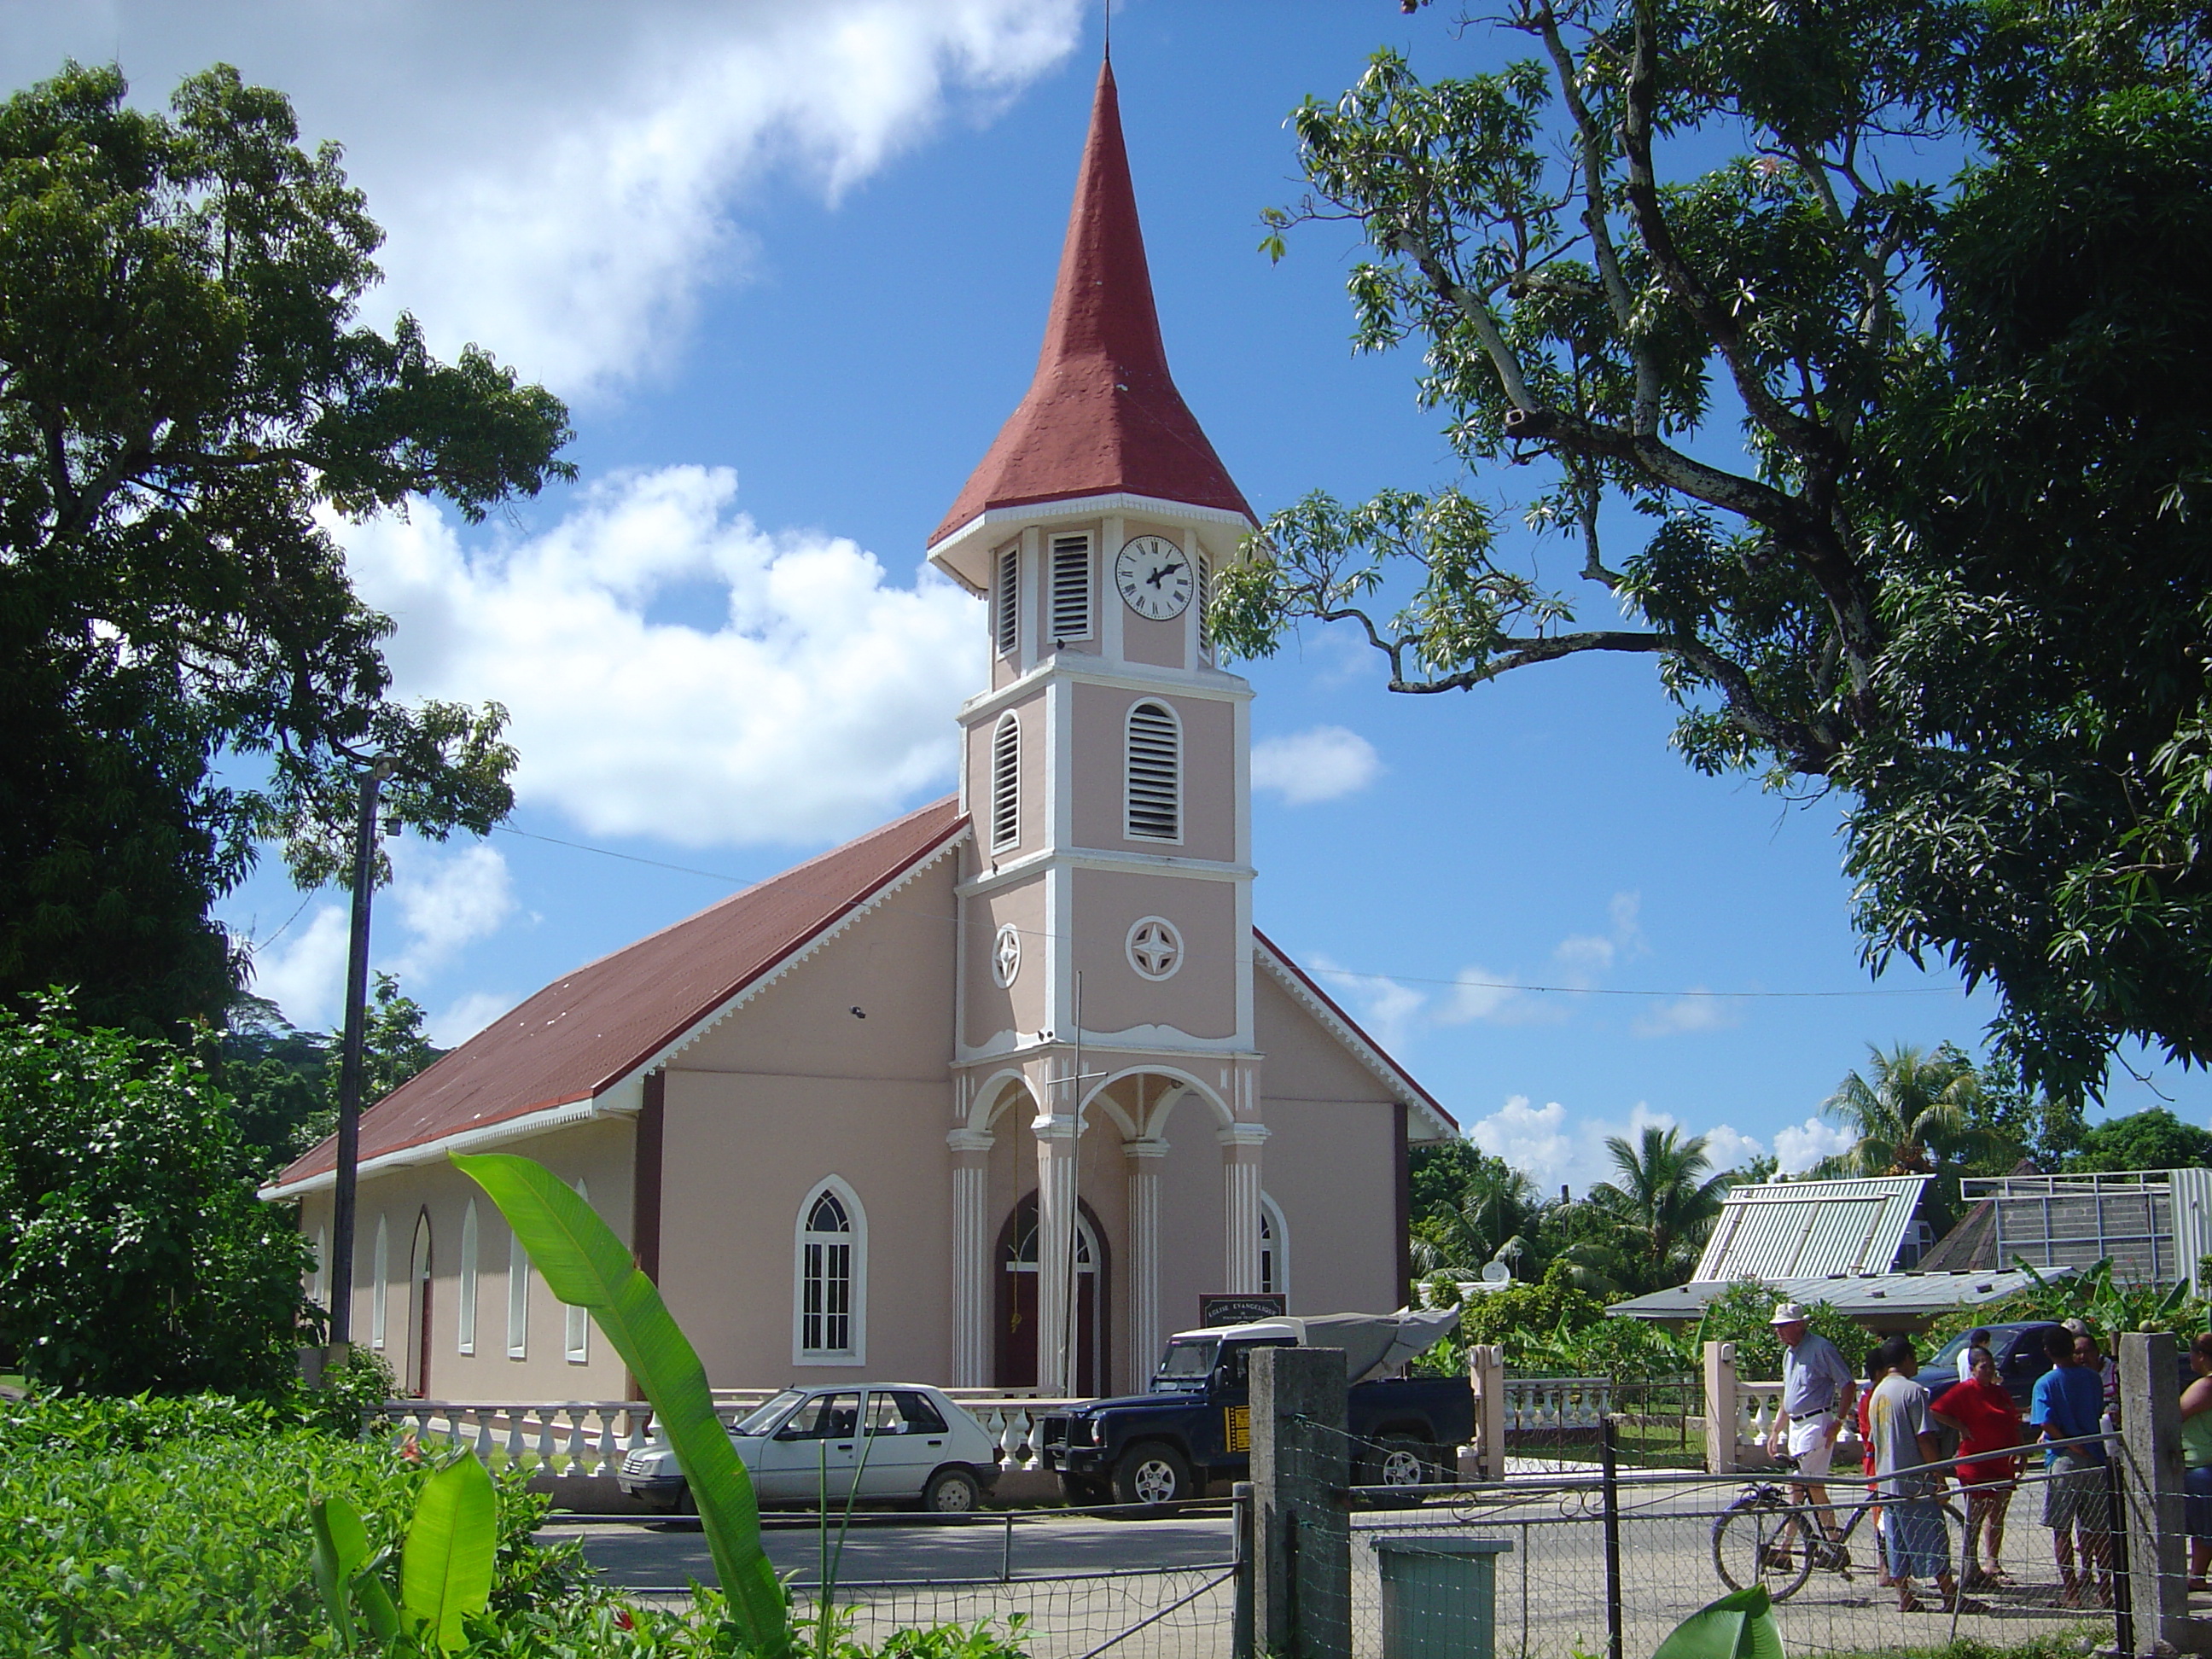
[
  {"x": 1740, "y": 1315},
  {"x": 134, "y": 1255}
]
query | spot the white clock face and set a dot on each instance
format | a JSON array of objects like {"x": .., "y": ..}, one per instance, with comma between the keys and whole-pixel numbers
[{"x": 1154, "y": 577}]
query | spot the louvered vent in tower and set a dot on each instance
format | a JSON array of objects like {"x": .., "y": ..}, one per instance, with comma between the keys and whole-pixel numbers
[
  {"x": 1010, "y": 601},
  {"x": 1071, "y": 587},
  {"x": 1006, "y": 783},
  {"x": 1154, "y": 787}
]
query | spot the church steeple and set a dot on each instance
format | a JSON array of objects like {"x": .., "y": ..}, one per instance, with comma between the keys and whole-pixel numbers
[{"x": 1102, "y": 415}]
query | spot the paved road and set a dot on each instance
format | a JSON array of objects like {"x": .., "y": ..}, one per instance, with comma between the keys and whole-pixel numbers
[{"x": 1032, "y": 1543}]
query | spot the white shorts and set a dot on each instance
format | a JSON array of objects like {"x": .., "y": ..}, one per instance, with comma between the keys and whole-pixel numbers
[{"x": 1811, "y": 1445}]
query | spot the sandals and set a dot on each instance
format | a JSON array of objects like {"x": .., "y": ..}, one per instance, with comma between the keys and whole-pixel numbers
[{"x": 1911, "y": 1604}]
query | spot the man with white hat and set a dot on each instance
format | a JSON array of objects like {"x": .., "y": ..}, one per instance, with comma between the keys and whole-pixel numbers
[{"x": 1817, "y": 1393}]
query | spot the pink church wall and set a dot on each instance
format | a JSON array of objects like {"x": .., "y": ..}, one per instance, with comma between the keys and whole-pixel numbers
[
  {"x": 992, "y": 1008},
  {"x": 1200, "y": 999},
  {"x": 1100, "y": 718}
]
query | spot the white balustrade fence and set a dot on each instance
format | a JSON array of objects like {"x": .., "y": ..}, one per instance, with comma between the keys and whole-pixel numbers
[
  {"x": 1553, "y": 1404},
  {"x": 582, "y": 1439}
]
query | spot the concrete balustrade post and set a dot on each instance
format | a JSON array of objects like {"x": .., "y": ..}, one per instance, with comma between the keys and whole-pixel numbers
[
  {"x": 1720, "y": 1409},
  {"x": 1486, "y": 1374},
  {"x": 1301, "y": 1466},
  {"x": 2151, "y": 1494}
]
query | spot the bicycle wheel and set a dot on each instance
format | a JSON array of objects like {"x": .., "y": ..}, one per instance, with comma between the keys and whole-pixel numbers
[{"x": 1748, "y": 1537}]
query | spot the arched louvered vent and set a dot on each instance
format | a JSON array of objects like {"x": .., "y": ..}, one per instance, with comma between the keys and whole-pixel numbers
[
  {"x": 1009, "y": 600},
  {"x": 1006, "y": 783},
  {"x": 1155, "y": 786}
]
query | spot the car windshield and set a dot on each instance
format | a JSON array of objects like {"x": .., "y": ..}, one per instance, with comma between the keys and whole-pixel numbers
[
  {"x": 763, "y": 1418},
  {"x": 1188, "y": 1362}
]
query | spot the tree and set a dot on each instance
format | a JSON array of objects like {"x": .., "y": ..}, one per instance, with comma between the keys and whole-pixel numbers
[
  {"x": 284, "y": 1083},
  {"x": 184, "y": 387},
  {"x": 2152, "y": 1139},
  {"x": 1663, "y": 1201},
  {"x": 1488, "y": 1217},
  {"x": 133, "y": 1253},
  {"x": 1921, "y": 1114},
  {"x": 1956, "y": 567}
]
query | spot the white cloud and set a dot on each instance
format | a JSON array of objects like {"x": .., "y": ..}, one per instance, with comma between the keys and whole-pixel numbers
[
  {"x": 1729, "y": 1150},
  {"x": 561, "y": 181},
  {"x": 445, "y": 901},
  {"x": 1531, "y": 1138},
  {"x": 1693, "y": 1012},
  {"x": 1386, "y": 1009},
  {"x": 302, "y": 970},
  {"x": 823, "y": 701},
  {"x": 1801, "y": 1146},
  {"x": 1321, "y": 763},
  {"x": 1481, "y": 994},
  {"x": 451, "y": 1027},
  {"x": 1582, "y": 957}
]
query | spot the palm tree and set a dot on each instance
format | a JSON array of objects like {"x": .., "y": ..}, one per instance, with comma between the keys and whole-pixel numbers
[
  {"x": 1664, "y": 1199},
  {"x": 1490, "y": 1221},
  {"x": 1917, "y": 1115}
]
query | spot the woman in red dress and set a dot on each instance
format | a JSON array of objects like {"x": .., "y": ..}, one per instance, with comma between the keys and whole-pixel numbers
[{"x": 1989, "y": 1454}]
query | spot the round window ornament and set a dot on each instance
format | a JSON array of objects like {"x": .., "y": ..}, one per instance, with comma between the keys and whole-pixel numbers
[
  {"x": 1007, "y": 955},
  {"x": 1155, "y": 948}
]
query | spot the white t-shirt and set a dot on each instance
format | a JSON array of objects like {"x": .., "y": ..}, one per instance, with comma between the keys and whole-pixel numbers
[{"x": 1897, "y": 1417}]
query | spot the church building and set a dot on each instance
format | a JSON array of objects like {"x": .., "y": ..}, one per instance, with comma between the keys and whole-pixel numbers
[{"x": 992, "y": 1095}]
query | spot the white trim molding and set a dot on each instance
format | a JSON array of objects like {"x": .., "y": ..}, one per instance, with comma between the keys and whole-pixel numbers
[
  {"x": 806, "y": 1241},
  {"x": 1403, "y": 1087}
]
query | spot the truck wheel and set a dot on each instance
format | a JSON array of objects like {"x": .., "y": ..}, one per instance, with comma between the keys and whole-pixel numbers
[
  {"x": 1080, "y": 1491},
  {"x": 1396, "y": 1461},
  {"x": 951, "y": 1490},
  {"x": 1151, "y": 1472}
]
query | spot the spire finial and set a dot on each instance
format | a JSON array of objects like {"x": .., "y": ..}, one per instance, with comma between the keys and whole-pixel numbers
[{"x": 1107, "y": 8}]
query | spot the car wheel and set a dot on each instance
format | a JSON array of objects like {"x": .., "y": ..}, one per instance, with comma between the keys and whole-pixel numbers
[
  {"x": 1080, "y": 1491},
  {"x": 1394, "y": 1460},
  {"x": 952, "y": 1492},
  {"x": 685, "y": 1503},
  {"x": 1152, "y": 1473}
]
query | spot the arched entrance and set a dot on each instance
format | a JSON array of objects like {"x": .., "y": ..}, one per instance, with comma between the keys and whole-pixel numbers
[
  {"x": 417, "y": 1376},
  {"x": 1016, "y": 1278}
]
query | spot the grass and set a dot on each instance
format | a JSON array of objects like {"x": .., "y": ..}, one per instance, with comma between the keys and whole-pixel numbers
[{"x": 2069, "y": 1644}]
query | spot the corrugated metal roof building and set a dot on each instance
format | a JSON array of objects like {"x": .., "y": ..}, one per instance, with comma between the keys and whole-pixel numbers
[
  {"x": 1811, "y": 1229},
  {"x": 1883, "y": 1302}
]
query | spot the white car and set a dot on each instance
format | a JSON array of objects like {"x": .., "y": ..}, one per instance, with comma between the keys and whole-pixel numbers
[{"x": 879, "y": 1443}]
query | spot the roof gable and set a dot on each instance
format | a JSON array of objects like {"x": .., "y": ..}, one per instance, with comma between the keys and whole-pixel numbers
[
  {"x": 599, "y": 1025},
  {"x": 1798, "y": 1229},
  {"x": 1270, "y": 958}
]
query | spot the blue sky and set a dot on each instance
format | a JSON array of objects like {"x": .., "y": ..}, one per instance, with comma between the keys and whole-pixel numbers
[{"x": 789, "y": 261}]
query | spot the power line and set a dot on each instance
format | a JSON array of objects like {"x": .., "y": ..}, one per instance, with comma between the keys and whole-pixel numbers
[{"x": 741, "y": 882}]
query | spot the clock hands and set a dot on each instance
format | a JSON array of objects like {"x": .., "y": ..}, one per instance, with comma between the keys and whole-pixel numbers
[{"x": 1165, "y": 570}]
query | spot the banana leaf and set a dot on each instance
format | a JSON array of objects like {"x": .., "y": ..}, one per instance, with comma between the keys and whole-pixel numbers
[
  {"x": 341, "y": 1547},
  {"x": 586, "y": 1266},
  {"x": 445, "y": 1568},
  {"x": 1740, "y": 1626}
]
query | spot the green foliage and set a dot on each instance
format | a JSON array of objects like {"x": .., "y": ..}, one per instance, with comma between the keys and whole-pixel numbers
[
  {"x": 1663, "y": 1205},
  {"x": 133, "y": 1254},
  {"x": 185, "y": 383},
  {"x": 1740, "y": 1626},
  {"x": 1922, "y": 1114},
  {"x": 586, "y": 1266},
  {"x": 284, "y": 1083},
  {"x": 2150, "y": 1140},
  {"x": 2108, "y": 1306},
  {"x": 1920, "y": 453},
  {"x": 1740, "y": 1315}
]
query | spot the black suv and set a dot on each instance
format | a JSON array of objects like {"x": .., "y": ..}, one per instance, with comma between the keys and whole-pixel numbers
[{"x": 2017, "y": 1348}]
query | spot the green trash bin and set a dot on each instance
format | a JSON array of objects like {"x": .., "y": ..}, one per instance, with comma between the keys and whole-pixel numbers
[{"x": 1439, "y": 1597}]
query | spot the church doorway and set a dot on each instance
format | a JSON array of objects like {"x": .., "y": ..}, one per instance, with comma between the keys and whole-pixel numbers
[
  {"x": 417, "y": 1379},
  {"x": 1018, "y": 1300}
]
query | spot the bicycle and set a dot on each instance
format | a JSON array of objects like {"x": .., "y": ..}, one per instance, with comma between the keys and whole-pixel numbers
[{"x": 1767, "y": 1537}]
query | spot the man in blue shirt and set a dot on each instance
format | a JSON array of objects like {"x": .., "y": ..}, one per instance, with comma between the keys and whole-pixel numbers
[
  {"x": 2069, "y": 1401},
  {"x": 1817, "y": 1393}
]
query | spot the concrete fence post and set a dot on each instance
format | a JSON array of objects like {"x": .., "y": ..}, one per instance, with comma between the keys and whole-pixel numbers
[
  {"x": 1720, "y": 1409},
  {"x": 2150, "y": 1455},
  {"x": 1301, "y": 1465},
  {"x": 1486, "y": 1374}
]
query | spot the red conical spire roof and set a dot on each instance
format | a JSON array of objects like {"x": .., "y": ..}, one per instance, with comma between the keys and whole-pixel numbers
[{"x": 1103, "y": 414}]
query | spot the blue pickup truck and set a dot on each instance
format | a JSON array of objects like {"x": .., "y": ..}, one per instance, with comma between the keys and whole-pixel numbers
[{"x": 1192, "y": 1429}]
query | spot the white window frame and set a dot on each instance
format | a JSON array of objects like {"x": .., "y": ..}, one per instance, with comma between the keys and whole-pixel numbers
[
  {"x": 1271, "y": 1220},
  {"x": 1129, "y": 831},
  {"x": 319, "y": 1275},
  {"x": 465, "y": 1329},
  {"x": 1006, "y": 624},
  {"x": 1006, "y": 783},
  {"x": 518, "y": 1297},
  {"x": 1064, "y": 599},
  {"x": 578, "y": 1335},
  {"x": 379, "y": 1286},
  {"x": 856, "y": 1218}
]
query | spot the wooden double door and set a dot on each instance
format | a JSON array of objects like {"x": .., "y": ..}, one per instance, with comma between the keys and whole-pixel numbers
[{"x": 1015, "y": 1260}]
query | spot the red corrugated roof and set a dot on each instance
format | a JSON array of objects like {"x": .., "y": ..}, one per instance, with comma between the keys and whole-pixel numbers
[
  {"x": 1103, "y": 414},
  {"x": 590, "y": 1029}
]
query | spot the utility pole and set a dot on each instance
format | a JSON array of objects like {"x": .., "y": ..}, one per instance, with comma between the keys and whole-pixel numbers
[{"x": 350, "y": 1065}]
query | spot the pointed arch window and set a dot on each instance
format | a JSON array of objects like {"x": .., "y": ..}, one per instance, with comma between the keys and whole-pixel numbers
[
  {"x": 1005, "y": 782},
  {"x": 580, "y": 1320},
  {"x": 1154, "y": 794},
  {"x": 1071, "y": 587},
  {"x": 381, "y": 1286},
  {"x": 831, "y": 1279},
  {"x": 1274, "y": 1248},
  {"x": 1008, "y": 601},
  {"x": 518, "y": 1298},
  {"x": 466, "y": 1332},
  {"x": 318, "y": 1288}
]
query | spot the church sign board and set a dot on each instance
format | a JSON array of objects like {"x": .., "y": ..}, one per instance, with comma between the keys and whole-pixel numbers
[{"x": 1225, "y": 1309}]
